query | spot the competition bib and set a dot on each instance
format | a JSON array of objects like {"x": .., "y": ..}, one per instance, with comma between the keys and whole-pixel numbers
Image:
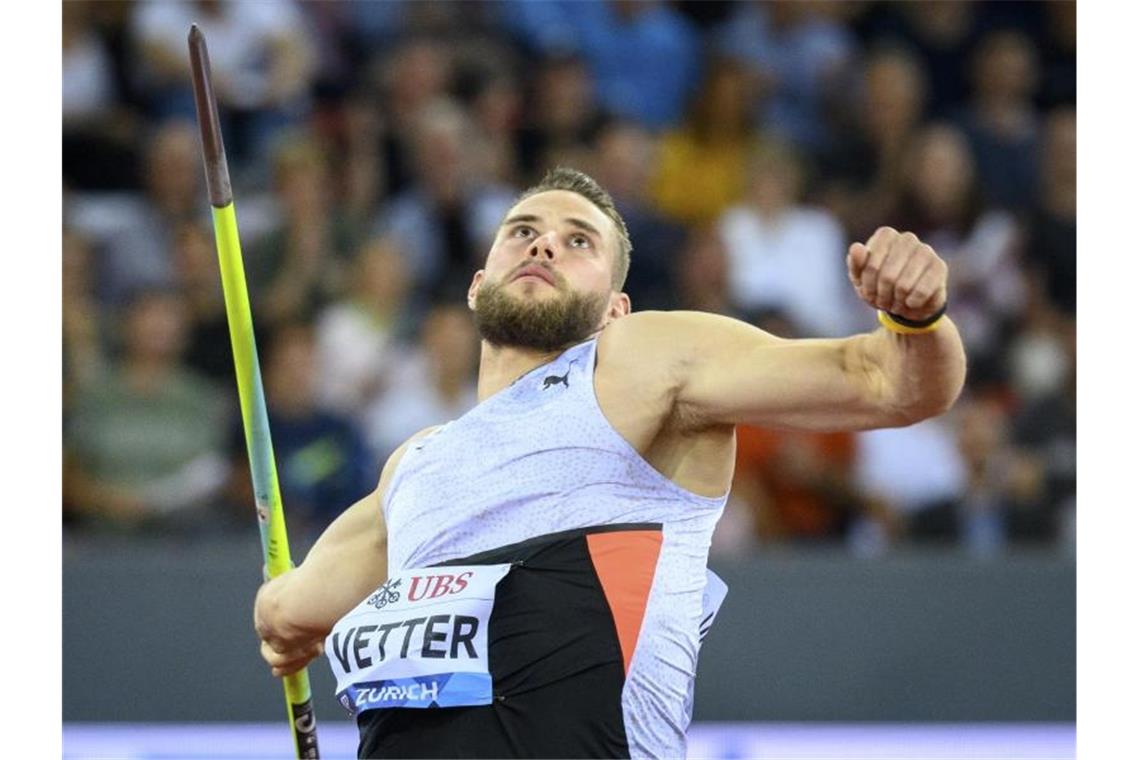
[{"x": 420, "y": 640}]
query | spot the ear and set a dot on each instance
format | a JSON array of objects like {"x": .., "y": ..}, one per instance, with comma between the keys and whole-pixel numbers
[
  {"x": 620, "y": 306},
  {"x": 473, "y": 289}
]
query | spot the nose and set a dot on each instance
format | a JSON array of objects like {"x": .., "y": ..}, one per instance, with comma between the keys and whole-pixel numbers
[{"x": 543, "y": 247}]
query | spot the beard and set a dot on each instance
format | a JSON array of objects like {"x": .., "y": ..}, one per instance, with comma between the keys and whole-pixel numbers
[{"x": 551, "y": 325}]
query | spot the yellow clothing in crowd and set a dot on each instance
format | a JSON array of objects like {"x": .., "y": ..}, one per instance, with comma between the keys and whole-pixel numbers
[{"x": 696, "y": 180}]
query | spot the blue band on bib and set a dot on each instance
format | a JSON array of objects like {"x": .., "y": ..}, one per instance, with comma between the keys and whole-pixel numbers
[{"x": 441, "y": 690}]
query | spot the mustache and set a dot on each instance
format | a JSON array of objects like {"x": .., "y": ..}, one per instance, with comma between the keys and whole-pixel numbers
[{"x": 559, "y": 280}]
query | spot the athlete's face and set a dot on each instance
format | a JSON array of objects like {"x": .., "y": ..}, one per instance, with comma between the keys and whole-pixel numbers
[{"x": 548, "y": 280}]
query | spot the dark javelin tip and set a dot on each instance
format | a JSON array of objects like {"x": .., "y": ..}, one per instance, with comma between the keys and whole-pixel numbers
[{"x": 213, "y": 150}]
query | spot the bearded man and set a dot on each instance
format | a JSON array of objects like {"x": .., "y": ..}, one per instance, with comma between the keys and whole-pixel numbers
[{"x": 529, "y": 580}]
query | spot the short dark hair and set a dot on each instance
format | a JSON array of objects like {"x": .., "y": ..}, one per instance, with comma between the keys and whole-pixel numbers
[{"x": 574, "y": 181}]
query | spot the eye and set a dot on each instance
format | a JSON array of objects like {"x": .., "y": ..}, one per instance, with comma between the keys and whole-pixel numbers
[
  {"x": 579, "y": 241},
  {"x": 523, "y": 231}
]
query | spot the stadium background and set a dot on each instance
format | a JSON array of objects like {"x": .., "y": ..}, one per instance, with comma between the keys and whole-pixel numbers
[{"x": 923, "y": 574}]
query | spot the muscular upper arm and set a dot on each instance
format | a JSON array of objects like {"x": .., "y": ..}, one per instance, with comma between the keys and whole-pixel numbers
[
  {"x": 728, "y": 372},
  {"x": 349, "y": 560}
]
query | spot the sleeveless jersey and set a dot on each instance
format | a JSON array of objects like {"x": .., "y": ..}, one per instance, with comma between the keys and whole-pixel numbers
[{"x": 535, "y": 475}]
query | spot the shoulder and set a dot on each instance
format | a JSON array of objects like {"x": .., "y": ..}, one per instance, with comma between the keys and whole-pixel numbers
[
  {"x": 641, "y": 329},
  {"x": 393, "y": 462},
  {"x": 664, "y": 343},
  {"x": 665, "y": 327}
]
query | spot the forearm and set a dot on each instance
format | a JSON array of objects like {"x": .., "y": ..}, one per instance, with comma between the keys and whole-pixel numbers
[
  {"x": 348, "y": 561},
  {"x": 920, "y": 375}
]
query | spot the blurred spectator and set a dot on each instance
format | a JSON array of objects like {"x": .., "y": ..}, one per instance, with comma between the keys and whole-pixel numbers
[
  {"x": 373, "y": 25},
  {"x": 863, "y": 172},
  {"x": 208, "y": 347},
  {"x": 1051, "y": 247},
  {"x": 135, "y": 233},
  {"x": 941, "y": 34},
  {"x": 797, "y": 483},
  {"x": 144, "y": 444},
  {"x": 1042, "y": 355},
  {"x": 260, "y": 57},
  {"x": 910, "y": 472},
  {"x": 447, "y": 219},
  {"x": 702, "y": 274},
  {"x": 358, "y": 337},
  {"x": 380, "y": 24},
  {"x": 562, "y": 117},
  {"x": 623, "y": 161},
  {"x": 417, "y": 73},
  {"x": 433, "y": 385},
  {"x": 363, "y": 170},
  {"x": 1059, "y": 56},
  {"x": 323, "y": 465},
  {"x": 941, "y": 204},
  {"x": 798, "y": 54},
  {"x": 786, "y": 256},
  {"x": 335, "y": 60},
  {"x": 98, "y": 132},
  {"x": 88, "y": 85},
  {"x": 1001, "y": 121},
  {"x": 1044, "y": 374},
  {"x": 703, "y": 164},
  {"x": 83, "y": 349},
  {"x": 496, "y": 107},
  {"x": 300, "y": 265},
  {"x": 644, "y": 55},
  {"x": 706, "y": 14},
  {"x": 1005, "y": 498}
]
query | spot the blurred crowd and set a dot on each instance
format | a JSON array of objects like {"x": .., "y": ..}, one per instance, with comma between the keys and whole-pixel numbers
[{"x": 375, "y": 146}]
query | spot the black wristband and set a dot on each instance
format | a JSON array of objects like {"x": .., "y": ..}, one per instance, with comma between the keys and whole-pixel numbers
[{"x": 920, "y": 323}]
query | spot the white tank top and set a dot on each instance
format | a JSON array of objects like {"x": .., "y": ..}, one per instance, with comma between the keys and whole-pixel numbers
[{"x": 539, "y": 457}]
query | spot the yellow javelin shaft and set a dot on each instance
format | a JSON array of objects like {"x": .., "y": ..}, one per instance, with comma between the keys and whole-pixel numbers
[{"x": 255, "y": 421}]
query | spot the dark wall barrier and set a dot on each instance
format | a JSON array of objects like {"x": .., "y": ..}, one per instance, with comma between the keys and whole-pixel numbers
[{"x": 163, "y": 632}]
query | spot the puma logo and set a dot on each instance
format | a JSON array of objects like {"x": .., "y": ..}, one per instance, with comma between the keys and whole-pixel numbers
[{"x": 556, "y": 379}]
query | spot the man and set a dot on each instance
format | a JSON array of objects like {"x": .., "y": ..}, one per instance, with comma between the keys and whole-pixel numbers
[{"x": 561, "y": 527}]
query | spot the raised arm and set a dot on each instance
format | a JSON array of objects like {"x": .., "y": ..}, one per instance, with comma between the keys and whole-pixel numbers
[
  {"x": 296, "y": 610},
  {"x": 727, "y": 372}
]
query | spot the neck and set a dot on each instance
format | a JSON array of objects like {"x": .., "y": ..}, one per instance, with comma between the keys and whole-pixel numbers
[{"x": 499, "y": 366}]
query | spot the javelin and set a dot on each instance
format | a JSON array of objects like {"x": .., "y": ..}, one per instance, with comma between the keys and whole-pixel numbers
[{"x": 255, "y": 419}]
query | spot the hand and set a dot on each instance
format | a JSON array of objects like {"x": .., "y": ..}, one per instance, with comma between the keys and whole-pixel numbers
[
  {"x": 898, "y": 273},
  {"x": 286, "y": 662},
  {"x": 285, "y": 650}
]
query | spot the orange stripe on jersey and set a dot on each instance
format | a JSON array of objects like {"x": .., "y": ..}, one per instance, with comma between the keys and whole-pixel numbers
[{"x": 625, "y": 562}]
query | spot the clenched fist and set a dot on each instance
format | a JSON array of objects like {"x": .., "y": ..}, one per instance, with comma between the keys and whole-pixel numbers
[{"x": 898, "y": 273}]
